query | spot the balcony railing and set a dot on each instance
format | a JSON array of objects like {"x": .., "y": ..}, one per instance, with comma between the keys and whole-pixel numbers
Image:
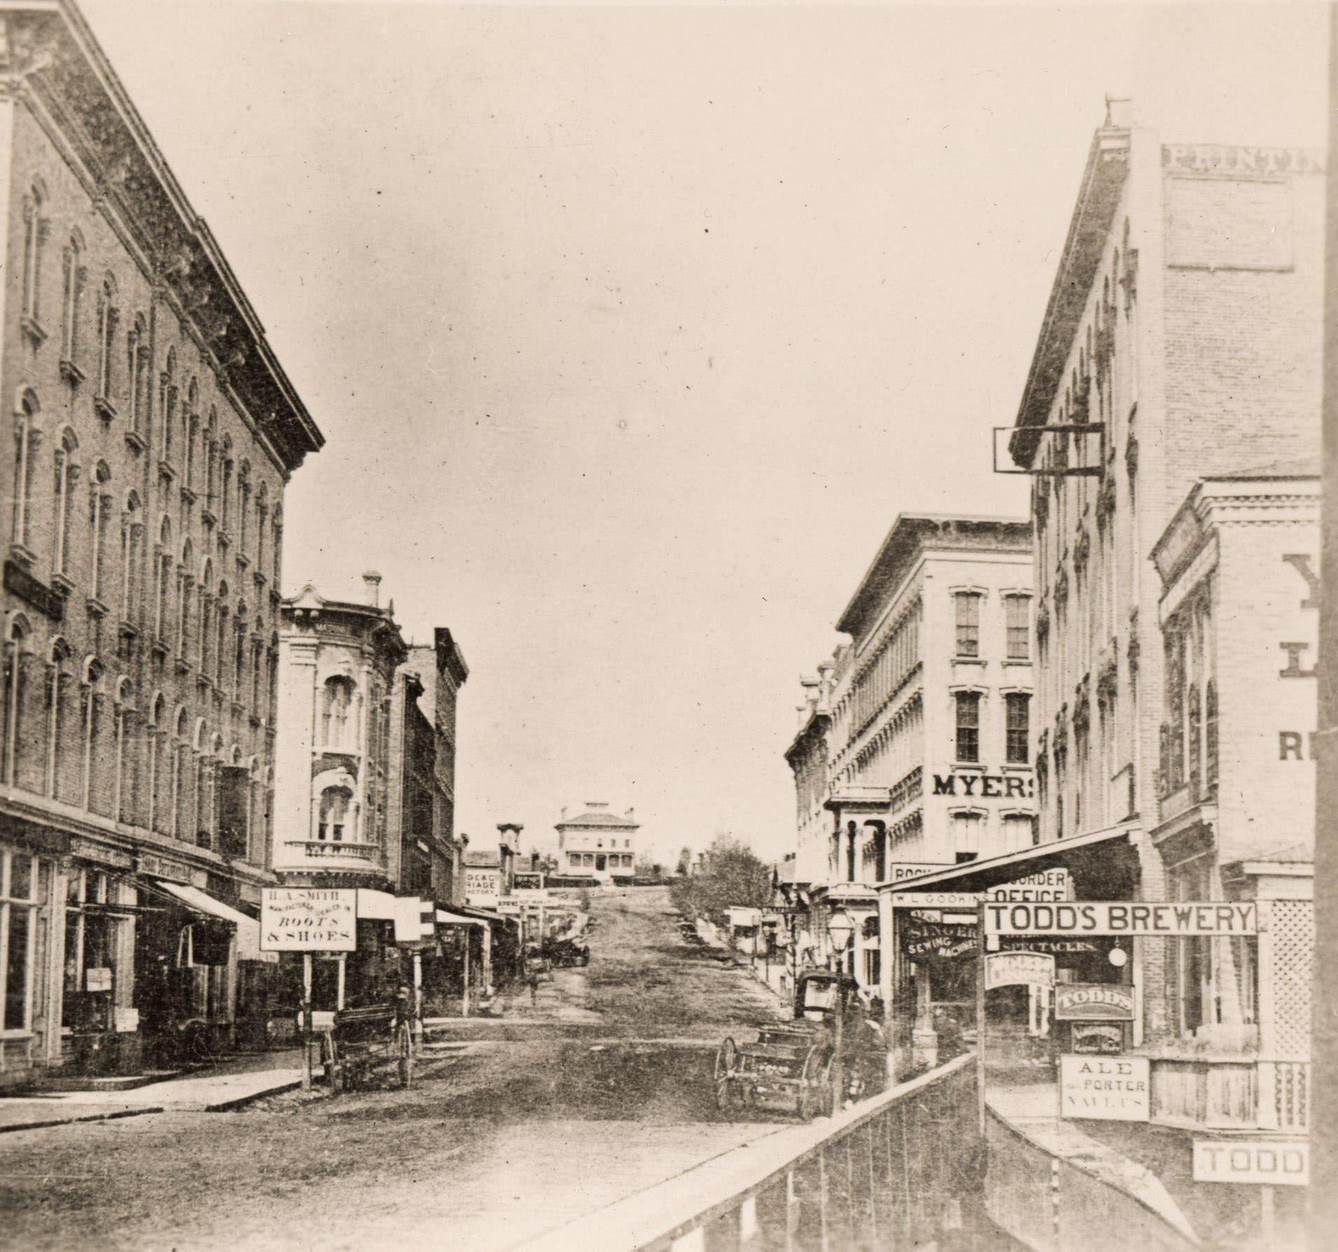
[{"x": 343, "y": 850}]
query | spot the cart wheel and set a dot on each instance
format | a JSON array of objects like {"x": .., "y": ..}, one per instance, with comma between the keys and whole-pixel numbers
[
  {"x": 406, "y": 1057},
  {"x": 724, "y": 1060},
  {"x": 727, "y": 1098}
]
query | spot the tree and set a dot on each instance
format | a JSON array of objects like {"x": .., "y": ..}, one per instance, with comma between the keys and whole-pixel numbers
[{"x": 732, "y": 875}]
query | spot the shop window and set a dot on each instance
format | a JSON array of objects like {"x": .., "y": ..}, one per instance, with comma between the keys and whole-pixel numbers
[
  {"x": 19, "y": 882},
  {"x": 92, "y": 933},
  {"x": 968, "y": 725},
  {"x": 1017, "y": 628},
  {"x": 1017, "y": 713},
  {"x": 968, "y": 623}
]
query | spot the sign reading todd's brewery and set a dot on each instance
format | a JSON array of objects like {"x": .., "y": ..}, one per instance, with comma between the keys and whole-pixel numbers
[{"x": 307, "y": 919}]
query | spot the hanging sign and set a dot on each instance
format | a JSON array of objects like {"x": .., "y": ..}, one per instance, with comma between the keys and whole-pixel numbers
[
  {"x": 1215, "y": 917},
  {"x": 924, "y": 939},
  {"x": 308, "y": 919},
  {"x": 1019, "y": 969},
  {"x": 1045, "y": 884},
  {"x": 935, "y": 899},
  {"x": 1273, "y": 1162},
  {"x": 1094, "y": 1002},
  {"x": 1101, "y": 1038},
  {"x": 904, "y": 871},
  {"x": 1044, "y": 943},
  {"x": 1111, "y": 1089}
]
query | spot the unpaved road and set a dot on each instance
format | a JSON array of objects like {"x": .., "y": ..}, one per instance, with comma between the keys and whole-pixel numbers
[{"x": 599, "y": 1089}]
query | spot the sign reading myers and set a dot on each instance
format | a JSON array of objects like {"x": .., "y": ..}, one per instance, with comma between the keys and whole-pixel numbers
[
  {"x": 308, "y": 919},
  {"x": 1019, "y": 969},
  {"x": 1213, "y": 917},
  {"x": 1273, "y": 1162},
  {"x": 1105, "y": 1088},
  {"x": 985, "y": 786},
  {"x": 1094, "y": 1002}
]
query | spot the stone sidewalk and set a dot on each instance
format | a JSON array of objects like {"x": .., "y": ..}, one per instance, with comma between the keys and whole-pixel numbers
[{"x": 228, "y": 1085}]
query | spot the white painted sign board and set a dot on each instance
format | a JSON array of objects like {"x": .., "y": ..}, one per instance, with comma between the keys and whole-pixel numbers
[
  {"x": 1272, "y": 1162},
  {"x": 1105, "y": 1088},
  {"x": 1019, "y": 969},
  {"x": 1122, "y": 917},
  {"x": 308, "y": 919}
]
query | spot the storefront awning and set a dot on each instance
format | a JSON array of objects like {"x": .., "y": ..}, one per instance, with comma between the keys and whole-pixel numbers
[
  {"x": 248, "y": 929},
  {"x": 455, "y": 919},
  {"x": 487, "y": 916},
  {"x": 997, "y": 870}
]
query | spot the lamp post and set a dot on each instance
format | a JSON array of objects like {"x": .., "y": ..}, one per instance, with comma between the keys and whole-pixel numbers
[{"x": 839, "y": 931}]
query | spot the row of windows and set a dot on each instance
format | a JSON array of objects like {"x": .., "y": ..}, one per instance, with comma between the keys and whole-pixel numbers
[
  {"x": 1017, "y": 727},
  {"x": 87, "y": 743},
  {"x": 613, "y": 859},
  {"x": 86, "y": 548},
  {"x": 1017, "y": 625},
  {"x": 896, "y": 657}
]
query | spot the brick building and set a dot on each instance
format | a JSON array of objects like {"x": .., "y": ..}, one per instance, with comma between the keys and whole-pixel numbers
[
  {"x": 152, "y": 435},
  {"x": 1180, "y": 346}
]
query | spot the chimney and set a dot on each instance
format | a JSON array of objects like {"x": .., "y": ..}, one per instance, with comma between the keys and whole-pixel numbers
[
  {"x": 371, "y": 581},
  {"x": 562, "y": 814},
  {"x": 1119, "y": 112},
  {"x": 631, "y": 815},
  {"x": 596, "y": 804}
]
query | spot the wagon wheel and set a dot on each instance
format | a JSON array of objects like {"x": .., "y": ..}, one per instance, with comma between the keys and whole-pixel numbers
[
  {"x": 728, "y": 1097},
  {"x": 724, "y": 1060},
  {"x": 406, "y": 1056}
]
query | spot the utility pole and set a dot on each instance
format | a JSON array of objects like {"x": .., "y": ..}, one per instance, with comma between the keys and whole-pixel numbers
[{"x": 1324, "y": 998}]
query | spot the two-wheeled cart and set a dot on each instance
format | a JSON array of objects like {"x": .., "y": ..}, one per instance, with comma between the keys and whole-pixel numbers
[{"x": 367, "y": 1041}]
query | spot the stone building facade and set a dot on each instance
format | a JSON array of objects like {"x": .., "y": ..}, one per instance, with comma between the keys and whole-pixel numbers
[
  {"x": 152, "y": 434},
  {"x": 597, "y": 844},
  {"x": 915, "y": 751}
]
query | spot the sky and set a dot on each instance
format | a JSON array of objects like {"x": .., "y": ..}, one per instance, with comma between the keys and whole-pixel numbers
[{"x": 631, "y": 329}]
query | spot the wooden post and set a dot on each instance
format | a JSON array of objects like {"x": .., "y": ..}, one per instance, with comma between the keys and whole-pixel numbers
[
  {"x": 980, "y": 1014},
  {"x": 341, "y": 965},
  {"x": 306, "y": 1021},
  {"x": 464, "y": 999}
]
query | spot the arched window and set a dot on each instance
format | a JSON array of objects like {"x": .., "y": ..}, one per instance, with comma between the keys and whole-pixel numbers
[
  {"x": 62, "y": 502},
  {"x": 167, "y": 402},
  {"x": 73, "y": 279},
  {"x": 211, "y": 461},
  {"x": 239, "y": 652},
  {"x": 333, "y": 822},
  {"x": 221, "y": 651},
  {"x": 225, "y": 493},
  {"x": 335, "y": 713},
  {"x": 107, "y": 317},
  {"x": 91, "y": 693},
  {"x": 27, "y": 440},
  {"x": 162, "y": 580},
  {"x": 262, "y": 524},
  {"x": 200, "y": 770},
  {"x": 132, "y": 548},
  {"x": 272, "y": 677},
  {"x": 122, "y": 797},
  {"x": 206, "y": 614},
  {"x": 185, "y": 586},
  {"x": 176, "y": 800},
  {"x": 34, "y": 234},
  {"x": 243, "y": 504},
  {"x": 190, "y": 425},
  {"x": 138, "y": 359},
  {"x": 99, "y": 522},
  {"x": 156, "y": 745},
  {"x": 257, "y": 670},
  {"x": 58, "y": 682},
  {"x": 17, "y": 635},
  {"x": 278, "y": 543}
]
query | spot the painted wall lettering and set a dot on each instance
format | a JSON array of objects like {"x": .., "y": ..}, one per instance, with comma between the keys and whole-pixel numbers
[{"x": 985, "y": 786}]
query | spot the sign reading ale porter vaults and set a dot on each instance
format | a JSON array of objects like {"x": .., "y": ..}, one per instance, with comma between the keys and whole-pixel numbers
[{"x": 308, "y": 919}]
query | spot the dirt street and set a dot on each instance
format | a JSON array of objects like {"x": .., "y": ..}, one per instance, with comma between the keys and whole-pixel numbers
[{"x": 517, "y": 1125}]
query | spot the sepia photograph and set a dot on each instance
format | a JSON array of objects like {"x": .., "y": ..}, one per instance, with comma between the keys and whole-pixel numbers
[{"x": 668, "y": 626}]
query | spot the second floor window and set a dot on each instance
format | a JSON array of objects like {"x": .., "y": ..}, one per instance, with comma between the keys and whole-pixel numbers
[
  {"x": 1017, "y": 713},
  {"x": 1017, "y": 625},
  {"x": 968, "y": 623},
  {"x": 968, "y": 725}
]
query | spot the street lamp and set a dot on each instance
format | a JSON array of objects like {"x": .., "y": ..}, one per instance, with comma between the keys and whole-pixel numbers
[{"x": 839, "y": 931}]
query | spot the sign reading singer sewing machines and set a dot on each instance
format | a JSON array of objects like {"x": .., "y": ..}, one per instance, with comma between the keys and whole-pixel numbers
[
  {"x": 307, "y": 919},
  {"x": 1122, "y": 917}
]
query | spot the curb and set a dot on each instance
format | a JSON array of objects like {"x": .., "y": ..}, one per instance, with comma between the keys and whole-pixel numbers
[
  {"x": 89, "y": 1117},
  {"x": 237, "y": 1102}
]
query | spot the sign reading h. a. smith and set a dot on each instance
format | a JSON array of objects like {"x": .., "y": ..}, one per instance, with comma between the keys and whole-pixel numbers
[{"x": 307, "y": 919}]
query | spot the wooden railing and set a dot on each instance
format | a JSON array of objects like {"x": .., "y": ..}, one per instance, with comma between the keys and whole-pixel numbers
[{"x": 896, "y": 1170}]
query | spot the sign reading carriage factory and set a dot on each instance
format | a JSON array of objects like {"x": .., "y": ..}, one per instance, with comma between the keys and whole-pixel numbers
[
  {"x": 1210, "y": 917},
  {"x": 308, "y": 919}
]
